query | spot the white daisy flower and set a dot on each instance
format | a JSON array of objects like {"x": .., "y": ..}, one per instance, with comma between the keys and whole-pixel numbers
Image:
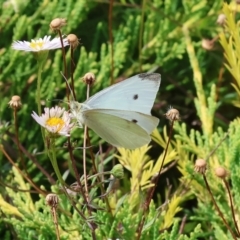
[
  {"x": 55, "y": 120},
  {"x": 42, "y": 44}
]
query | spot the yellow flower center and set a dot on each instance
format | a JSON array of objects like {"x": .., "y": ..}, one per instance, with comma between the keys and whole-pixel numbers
[
  {"x": 55, "y": 122},
  {"x": 36, "y": 45}
]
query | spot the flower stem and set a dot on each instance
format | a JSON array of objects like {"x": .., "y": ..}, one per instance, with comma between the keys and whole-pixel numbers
[
  {"x": 39, "y": 79},
  {"x": 217, "y": 208},
  {"x": 39, "y": 190},
  {"x": 38, "y": 97},
  {"x": 231, "y": 204},
  {"x": 152, "y": 190},
  {"x": 53, "y": 159},
  {"x": 84, "y": 153},
  {"x": 17, "y": 139}
]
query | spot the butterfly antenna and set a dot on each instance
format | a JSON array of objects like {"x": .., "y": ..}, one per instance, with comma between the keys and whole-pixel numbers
[
  {"x": 54, "y": 100},
  {"x": 68, "y": 86},
  {"x": 83, "y": 147}
]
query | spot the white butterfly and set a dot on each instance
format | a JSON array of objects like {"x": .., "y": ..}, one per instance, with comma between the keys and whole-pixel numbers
[{"x": 121, "y": 113}]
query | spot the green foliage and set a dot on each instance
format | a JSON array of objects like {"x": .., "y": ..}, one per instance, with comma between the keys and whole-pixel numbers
[
  {"x": 148, "y": 36},
  {"x": 231, "y": 46}
]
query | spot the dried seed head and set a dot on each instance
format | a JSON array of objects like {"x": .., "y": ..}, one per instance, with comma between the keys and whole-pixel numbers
[
  {"x": 237, "y": 1},
  {"x": 172, "y": 114},
  {"x": 57, "y": 23},
  {"x": 117, "y": 171},
  {"x": 15, "y": 102},
  {"x": 89, "y": 78},
  {"x": 73, "y": 40},
  {"x": 200, "y": 166},
  {"x": 207, "y": 44},
  {"x": 221, "y": 19},
  {"x": 221, "y": 172},
  {"x": 52, "y": 200}
]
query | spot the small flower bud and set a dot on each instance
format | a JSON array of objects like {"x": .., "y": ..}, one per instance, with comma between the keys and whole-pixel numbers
[
  {"x": 221, "y": 19},
  {"x": 73, "y": 40},
  {"x": 89, "y": 78},
  {"x": 52, "y": 200},
  {"x": 57, "y": 23},
  {"x": 221, "y": 172},
  {"x": 207, "y": 44},
  {"x": 200, "y": 166},
  {"x": 117, "y": 171},
  {"x": 172, "y": 114},
  {"x": 15, "y": 102}
]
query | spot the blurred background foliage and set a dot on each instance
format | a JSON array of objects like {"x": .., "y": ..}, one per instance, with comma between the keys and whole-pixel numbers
[{"x": 197, "y": 56}]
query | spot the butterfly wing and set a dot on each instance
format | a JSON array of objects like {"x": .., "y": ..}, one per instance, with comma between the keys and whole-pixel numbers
[
  {"x": 134, "y": 94},
  {"x": 116, "y": 130},
  {"x": 147, "y": 122}
]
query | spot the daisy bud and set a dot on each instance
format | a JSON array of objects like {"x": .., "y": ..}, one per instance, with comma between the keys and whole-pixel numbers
[
  {"x": 52, "y": 200},
  {"x": 15, "y": 102},
  {"x": 172, "y": 114},
  {"x": 221, "y": 172},
  {"x": 221, "y": 19},
  {"x": 57, "y": 23},
  {"x": 89, "y": 78},
  {"x": 73, "y": 40},
  {"x": 117, "y": 171},
  {"x": 200, "y": 166},
  {"x": 207, "y": 44}
]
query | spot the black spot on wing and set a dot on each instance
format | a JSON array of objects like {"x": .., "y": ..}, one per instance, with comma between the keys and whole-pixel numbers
[
  {"x": 134, "y": 121},
  {"x": 135, "y": 97}
]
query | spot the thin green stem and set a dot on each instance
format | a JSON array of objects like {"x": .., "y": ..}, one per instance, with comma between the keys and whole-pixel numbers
[
  {"x": 38, "y": 97},
  {"x": 64, "y": 63},
  {"x": 216, "y": 147},
  {"x": 99, "y": 174},
  {"x": 53, "y": 159},
  {"x": 52, "y": 155},
  {"x": 39, "y": 80}
]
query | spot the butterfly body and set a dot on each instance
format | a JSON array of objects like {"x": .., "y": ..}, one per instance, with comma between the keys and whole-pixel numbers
[
  {"x": 121, "y": 113},
  {"x": 76, "y": 112}
]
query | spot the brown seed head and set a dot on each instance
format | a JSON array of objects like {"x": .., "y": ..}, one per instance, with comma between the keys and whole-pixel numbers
[
  {"x": 15, "y": 102},
  {"x": 172, "y": 114},
  {"x": 221, "y": 172},
  {"x": 207, "y": 44},
  {"x": 73, "y": 40},
  {"x": 200, "y": 166},
  {"x": 237, "y": 1},
  {"x": 89, "y": 78},
  {"x": 57, "y": 23},
  {"x": 221, "y": 19},
  {"x": 52, "y": 200}
]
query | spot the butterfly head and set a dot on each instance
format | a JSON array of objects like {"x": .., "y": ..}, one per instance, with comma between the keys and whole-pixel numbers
[{"x": 76, "y": 109}]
